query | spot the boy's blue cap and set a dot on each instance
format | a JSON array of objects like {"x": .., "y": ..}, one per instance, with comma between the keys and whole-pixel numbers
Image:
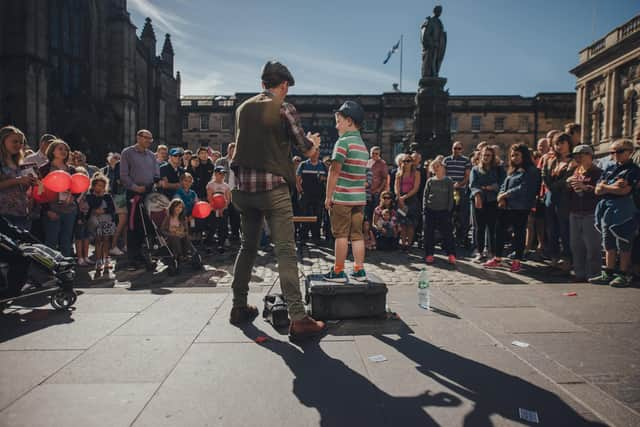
[
  {"x": 176, "y": 151},
  {"x": 352, "y": 110}
]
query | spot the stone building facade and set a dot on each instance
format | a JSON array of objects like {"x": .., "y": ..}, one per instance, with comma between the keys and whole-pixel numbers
[
  {"x": 608, "y": 86},
  {"x": 77, "y": 69},
  {"x": 502, "y": 120}
]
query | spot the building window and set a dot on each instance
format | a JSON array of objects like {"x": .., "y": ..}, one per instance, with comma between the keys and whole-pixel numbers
[
  {"x": 185, "y": 121},
  {"x": 69, "y": 39},
  {"x": 204, "y": 122},
  {"x": 499, "y": 124},
  {"x": 524, "y": 124},
  {"x": 369, "y": 125},
  {"x": 225, "y": 122},
  {"x": 398, "y": 124},
  {"x": 454, "y": 124},
  {"x": 601, "y": 132},
  {"x": 633, "y": 111},
  {"x": 476, "y": 122}
]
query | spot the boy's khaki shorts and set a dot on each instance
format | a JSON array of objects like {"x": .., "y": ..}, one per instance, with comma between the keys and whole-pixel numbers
[{"x": 346, "y": 222}]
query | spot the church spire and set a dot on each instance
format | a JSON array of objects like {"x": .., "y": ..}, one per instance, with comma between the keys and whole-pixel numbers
[
  {"x": 167, "y": 48},
  {"x": 148, "y": 37}
]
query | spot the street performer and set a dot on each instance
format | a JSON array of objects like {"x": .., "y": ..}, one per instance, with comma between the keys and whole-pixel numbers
[{"x": 266, "y": 129}]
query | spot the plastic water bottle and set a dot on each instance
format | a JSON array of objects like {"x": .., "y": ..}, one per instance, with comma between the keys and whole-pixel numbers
[{"x": 424, "y": 299}]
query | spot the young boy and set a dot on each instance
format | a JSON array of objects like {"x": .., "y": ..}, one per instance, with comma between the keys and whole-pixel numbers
[
  {"x": 188, "y": 196},
  {"x": 217, "y": 187},
  {"x": 346, "y": 195}
]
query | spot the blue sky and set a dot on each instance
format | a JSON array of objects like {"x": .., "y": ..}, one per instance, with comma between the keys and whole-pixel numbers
[{"x": 494, "y": 47}]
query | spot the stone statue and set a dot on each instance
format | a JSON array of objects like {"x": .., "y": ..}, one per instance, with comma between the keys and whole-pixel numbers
[{"x": 434, "y": 43}]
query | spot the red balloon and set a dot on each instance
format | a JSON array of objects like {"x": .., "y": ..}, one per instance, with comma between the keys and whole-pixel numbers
[
  {"x": 218, "y": 201},
  {"x": 57, "y": 181},
  {"x": 79, "y": 183},
  {"x": 201, "y": 210},
  {"x": 44, "y": 196}
]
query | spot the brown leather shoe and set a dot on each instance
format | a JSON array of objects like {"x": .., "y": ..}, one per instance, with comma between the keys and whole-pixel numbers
[
  {"x": 243, "y": 314},
  {"x": 305, "y": 328}
]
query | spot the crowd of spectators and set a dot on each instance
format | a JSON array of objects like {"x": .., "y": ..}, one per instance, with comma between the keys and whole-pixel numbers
[{"x": 556, "y": 203}]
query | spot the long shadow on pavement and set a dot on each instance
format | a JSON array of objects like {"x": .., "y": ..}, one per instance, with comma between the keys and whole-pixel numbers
[
  {"x": 491, "y": 391},
  {"x": 343, "y": 396}
]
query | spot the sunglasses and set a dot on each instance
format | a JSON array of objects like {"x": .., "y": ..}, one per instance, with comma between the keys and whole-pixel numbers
[
  {"x": 619, "y": 151},
  {"x": 407, "y": 161},
  {"x": 386, "y": 197},
  {"x": 457, "y": 148}
]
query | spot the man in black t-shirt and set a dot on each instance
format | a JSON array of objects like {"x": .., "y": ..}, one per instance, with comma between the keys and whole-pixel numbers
[{"x": 170, "y": 173}]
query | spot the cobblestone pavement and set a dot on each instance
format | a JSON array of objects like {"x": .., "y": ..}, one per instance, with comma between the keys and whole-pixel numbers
[{"x": 145, "y": 348}]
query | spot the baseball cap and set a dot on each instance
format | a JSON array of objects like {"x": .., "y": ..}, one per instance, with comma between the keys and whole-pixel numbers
[
  {"x": 275, "y": 72},
  {"x": 220, "y": 169},
  {"x": 352, "y": 110},
  {"x": 176, "y": 151},
  {"x": 583, "y": 149}
]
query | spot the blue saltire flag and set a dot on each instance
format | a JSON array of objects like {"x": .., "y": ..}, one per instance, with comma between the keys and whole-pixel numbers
[{"x": 391, "y": 52}]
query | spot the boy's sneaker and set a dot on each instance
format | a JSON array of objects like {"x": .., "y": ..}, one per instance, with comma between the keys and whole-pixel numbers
[
  {"x": 116, "y": 251},
  {"x": 620, "y": 281},
  {"x": 359, "y": 275},
  {"x": 429, "y": 259},
  {"x": 452, "y": 259},
  {"x": 603, "y": 279},
  {"x": 332, "y": 276},
  {"x": 492, "y": 263},
  {"x": 515, "y": 266}
]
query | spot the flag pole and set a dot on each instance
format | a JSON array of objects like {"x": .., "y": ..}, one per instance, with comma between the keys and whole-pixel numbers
[{"x": 401, "y": 49}]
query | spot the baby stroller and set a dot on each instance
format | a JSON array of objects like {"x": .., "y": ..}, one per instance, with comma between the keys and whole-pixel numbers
[
  {"x": 31, "y": 268},
  {"x": 153, "y": 211}
]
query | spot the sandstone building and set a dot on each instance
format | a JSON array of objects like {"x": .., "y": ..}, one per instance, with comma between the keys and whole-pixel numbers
[
  {"x": 608, "y": 86},
  {"x": 502, "y": 120},
  {"x": 77, "y": 68}
]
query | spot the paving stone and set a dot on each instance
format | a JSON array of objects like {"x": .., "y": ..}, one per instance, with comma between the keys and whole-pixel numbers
[
  {"x": 125, "y": 359},
  {"x": 520, "y": 320},
  {"x": 60, "y": 330},
  {"x": 174, "y": 315},
  {"x": 108, "y": 405},
  {"x": 105, "y": 303},
  {"x": 20, "y": 371},
  {"x": 277, "y": 383}
]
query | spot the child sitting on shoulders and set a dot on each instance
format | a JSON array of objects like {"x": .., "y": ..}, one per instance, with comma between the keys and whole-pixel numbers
[
  {"x": 101, "y": 224},
  {"x": 176, "y": 230}
]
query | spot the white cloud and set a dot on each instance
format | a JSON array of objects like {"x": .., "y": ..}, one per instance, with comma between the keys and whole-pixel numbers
[{"x": 168, "y": 20}]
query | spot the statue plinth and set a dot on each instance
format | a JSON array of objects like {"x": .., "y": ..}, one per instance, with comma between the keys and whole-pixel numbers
[{"x": 431, "y": 117}]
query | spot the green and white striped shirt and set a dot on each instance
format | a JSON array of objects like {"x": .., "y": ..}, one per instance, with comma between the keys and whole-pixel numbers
[{"x": 352, "y": 154}]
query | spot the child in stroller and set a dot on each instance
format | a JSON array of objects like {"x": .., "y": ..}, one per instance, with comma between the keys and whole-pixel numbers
[
  {"x": 167, "y": 238},
  {"x": 176, "y": 230}
]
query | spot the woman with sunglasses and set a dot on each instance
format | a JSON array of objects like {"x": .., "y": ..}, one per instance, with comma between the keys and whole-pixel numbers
[
  {"x": 615, "y": 214},
  {"x": 407, "y": 184},
  {"x": 14, "y": 184},
  {"x": 555, "y": 173},
  {"x": 485, "y": 180}
]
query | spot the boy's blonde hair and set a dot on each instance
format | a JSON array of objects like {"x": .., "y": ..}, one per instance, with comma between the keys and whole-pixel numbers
[{"x": 439, "y": 160}]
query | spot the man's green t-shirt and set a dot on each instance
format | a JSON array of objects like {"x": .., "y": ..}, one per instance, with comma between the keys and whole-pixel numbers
[{"x": 352, "y": 154}]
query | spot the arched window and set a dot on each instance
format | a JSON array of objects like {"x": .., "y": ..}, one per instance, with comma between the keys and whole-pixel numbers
[{"x": 69, "y": 38}]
